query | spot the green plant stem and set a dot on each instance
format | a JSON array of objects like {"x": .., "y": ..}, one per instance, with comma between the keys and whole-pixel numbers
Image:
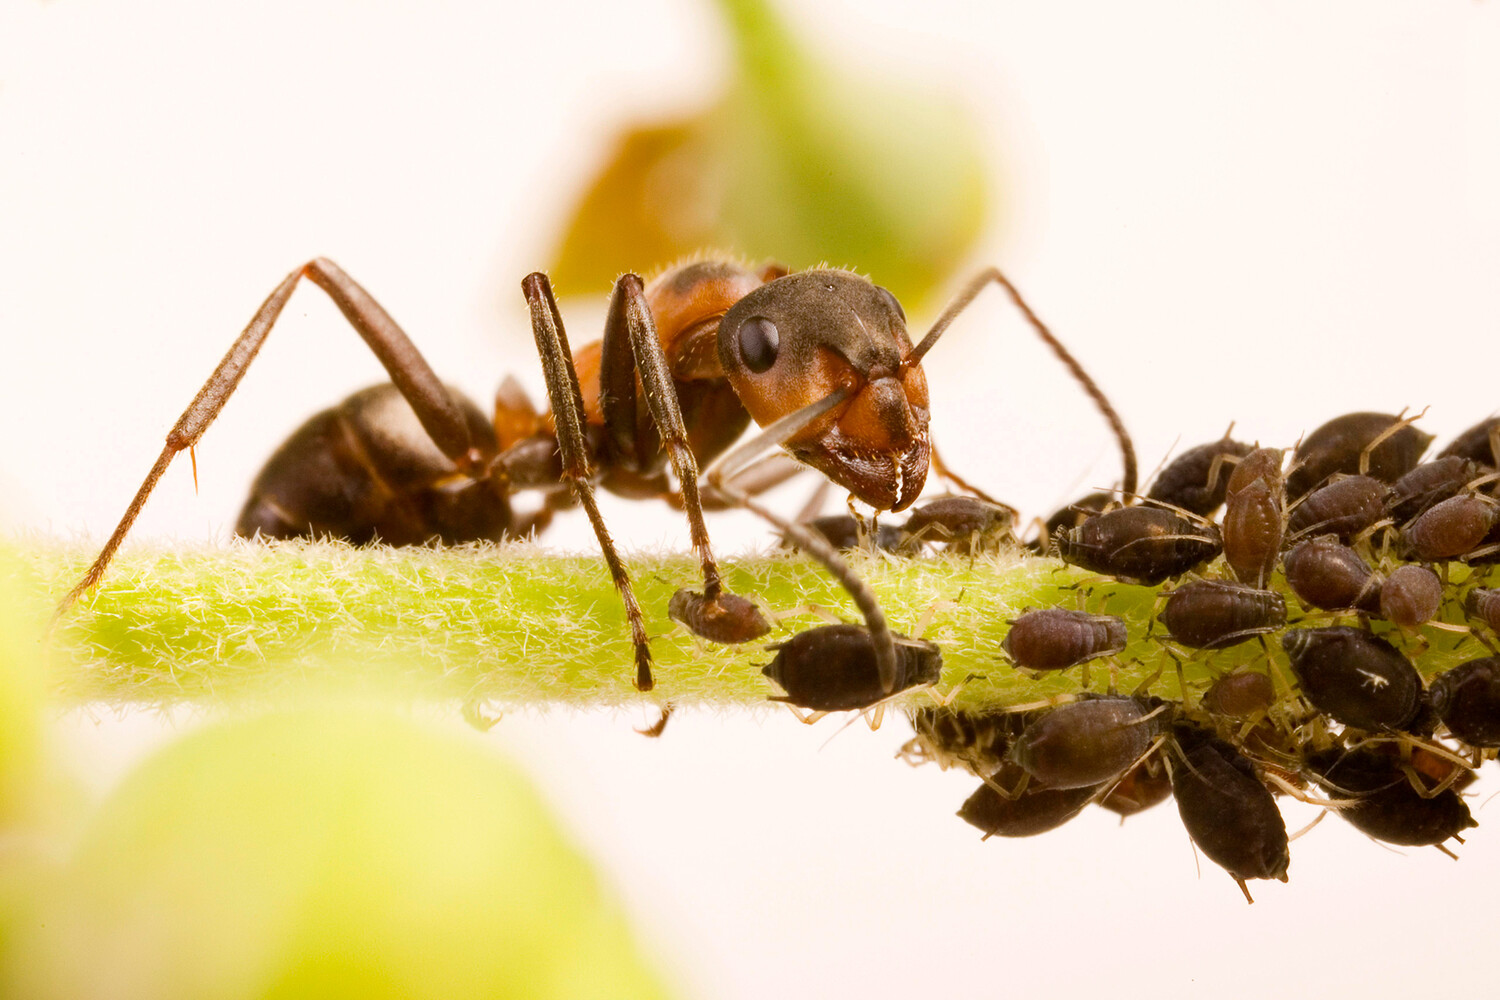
[{"x": 519, "y": 625}]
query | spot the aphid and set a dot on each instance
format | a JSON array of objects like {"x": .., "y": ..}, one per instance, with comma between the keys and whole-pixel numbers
[
  {"x": 1142, "y": 787},
  {"x": 966, "y": 524},
  {"x": 1411, "y": 595},
  {"x": 1034, "y": 809},
  {"x": 1227, "y": 810},
  {"x": 1240, "y": 695},
  {"x": 1385, "y": 804},
  {"x": 977, "y": 741},
  {"x": 1344, "y": 508},
  {"x": 1071, "y": 516},
  {"x": 732, "y": 618},
  {"x": 1214, "y": 614},
  {"x": 1143, "y": 545},
  {"x": 1429, "y": 484},
  {"x": 1197, "y": 479},
  {"x": 1356, "y": 678},
  {"x": 1058, "y": 638},
  {"x": 843, "y": 532},
  {"x": 1348, "y": 444},
  {"x": 832, "y": 668},
  {"x": 1453, "y": 528},
  {"x": 1484, "y": 604},
  {"x": 1253, "y": 517},
  {"x": 821, "y": 356},
  {"x": 1328, "y": 575},
  {"x": 1088, "y": 742},
  {"x": 1467, "y": 700},
  {"x": 1481, "y": 443}
]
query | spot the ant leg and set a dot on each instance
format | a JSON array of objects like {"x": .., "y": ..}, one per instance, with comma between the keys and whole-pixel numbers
[
  {"x": 567, "y": 414},
  {"x": 631, "y": 345},
  {"x": 419, "y": 385},
  {"x": 815, "y": 545},
  {"x": 970, "y": 292}
]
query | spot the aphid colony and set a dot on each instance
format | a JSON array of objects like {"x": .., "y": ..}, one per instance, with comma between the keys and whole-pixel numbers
[{"x": 1319, "y": 699}]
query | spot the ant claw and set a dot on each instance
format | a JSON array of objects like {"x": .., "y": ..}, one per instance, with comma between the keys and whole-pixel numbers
[{"x": 726, "y": 618}]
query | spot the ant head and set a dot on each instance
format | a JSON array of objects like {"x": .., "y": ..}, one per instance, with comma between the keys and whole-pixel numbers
[{"x": 795, "y": 340}]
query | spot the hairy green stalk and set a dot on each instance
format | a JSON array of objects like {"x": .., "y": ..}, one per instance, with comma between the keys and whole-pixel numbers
[{"x": 520, "y": 625}]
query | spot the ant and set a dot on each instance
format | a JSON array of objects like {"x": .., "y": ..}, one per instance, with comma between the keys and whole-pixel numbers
[{"x": 820, "y": 358}]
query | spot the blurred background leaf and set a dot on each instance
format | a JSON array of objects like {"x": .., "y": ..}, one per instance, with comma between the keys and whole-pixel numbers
[
  {"x": 798, "y": 162},
  {"x": 325, "y": 852}
]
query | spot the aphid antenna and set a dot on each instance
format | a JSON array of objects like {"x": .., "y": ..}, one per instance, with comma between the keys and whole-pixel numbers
[{"x": 1308, "y": 828}]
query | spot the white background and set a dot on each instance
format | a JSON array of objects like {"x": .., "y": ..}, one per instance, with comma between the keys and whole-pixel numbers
[{"x": 1234, "y": 211}]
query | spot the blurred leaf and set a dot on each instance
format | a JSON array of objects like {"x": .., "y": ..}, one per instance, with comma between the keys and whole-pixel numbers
[
  {"x": 22, "y": 688},
  {"x": 797, "y": 162},
  {"x": 326, "y": 853}
]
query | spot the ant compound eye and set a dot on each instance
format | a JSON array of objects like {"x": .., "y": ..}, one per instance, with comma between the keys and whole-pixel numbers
[
  {"x": 758, "y": 343},
  {"x": 895, "y": 303}
]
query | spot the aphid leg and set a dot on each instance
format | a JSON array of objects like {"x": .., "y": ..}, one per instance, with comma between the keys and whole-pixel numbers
[
  {"x": 567, "y": 413},
  {"x": 1402, "y": 420},
  {"x": 971, "y": 291},
  {"x": 655, "y": 730},
  {"x": 631, "y": 345},
  {"x": 1308, "y": 828},
  {"x": 480, "y": 714},
  {"x": 435, "y": 408}
]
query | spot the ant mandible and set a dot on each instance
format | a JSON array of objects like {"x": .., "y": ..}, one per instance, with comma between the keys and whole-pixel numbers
[{"x": 821, "y": 358}]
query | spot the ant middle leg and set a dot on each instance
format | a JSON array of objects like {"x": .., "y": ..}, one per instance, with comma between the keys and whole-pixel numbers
[{"x": 441, "y": 416}]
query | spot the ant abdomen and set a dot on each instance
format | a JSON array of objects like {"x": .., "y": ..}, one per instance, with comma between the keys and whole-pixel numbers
[{"x": 366, "y": 470}]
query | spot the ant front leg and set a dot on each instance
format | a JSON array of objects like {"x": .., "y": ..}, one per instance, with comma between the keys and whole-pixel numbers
[
  {"x": 439, "y": 414},
  {"x": 632, "y": 346}
]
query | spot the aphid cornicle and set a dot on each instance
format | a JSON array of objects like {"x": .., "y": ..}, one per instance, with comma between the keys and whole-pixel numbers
[
  {"x": 1058, "y": 638},
  {"x": 1356, "y": 678},
  {"x": 1227, "y": 811},
  {"x": 1215, "y": 614},
  {"x": 822, "y": 357}
]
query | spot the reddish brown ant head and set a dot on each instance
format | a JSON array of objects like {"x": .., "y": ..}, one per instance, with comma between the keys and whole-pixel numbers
[{"x": 798, "y": 339}]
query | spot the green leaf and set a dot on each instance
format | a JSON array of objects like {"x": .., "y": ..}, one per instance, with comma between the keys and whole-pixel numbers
[
  {"x": 797, "y": 162},
  {"x": 326, "y": 852}
]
